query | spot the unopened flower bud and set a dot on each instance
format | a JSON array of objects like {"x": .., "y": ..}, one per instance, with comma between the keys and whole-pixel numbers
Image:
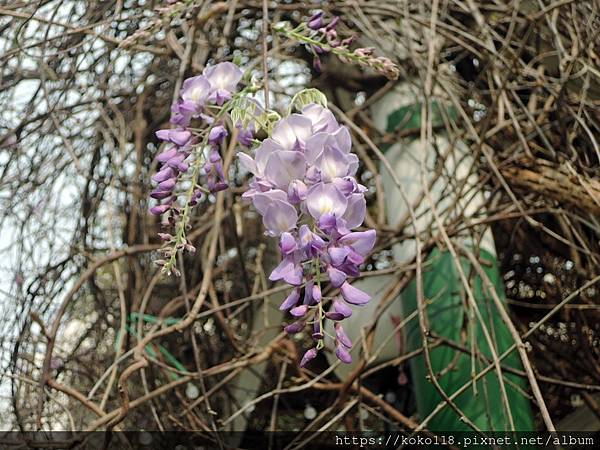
[
  {"x": 295, "y": 327},
  {"x": 299, "y": 311},
  {"x": 315, "y": 21},
  {"x": 308, "y": 356},
  {"x": 343, "y": 354}
]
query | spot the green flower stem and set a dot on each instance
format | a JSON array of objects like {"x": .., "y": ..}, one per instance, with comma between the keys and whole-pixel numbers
[{"x": 363, "y": 60}]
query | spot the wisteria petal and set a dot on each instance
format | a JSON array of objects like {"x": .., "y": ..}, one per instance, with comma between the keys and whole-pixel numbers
[
  {"x": 299, "y": 311},
  {"x": 195, "y": 89},
  {"x": 283, "y": 167},
  {"x": 223, "y": 76},
  {"x": 338, "y": 255},
  {"x": 166, "y": 155},
  {"x": 327, "y": 222},
  {"x": 332, "y": 164},
  {"x": 286, "y": 265},
  {"x": 315, "y": 21},
  {"x": 343, "y": 354},
  {"x": 164, "y": 175},
  {"x": 268, "y": 147},
  {"x": 177, "y": 136},
  {"x": 315, "y": 146},
  {"x": 159, "y": 195},
  {"x": 295, "y": 327},
  {"x": 361, "y": 242},
  {"x": 287, "y": 243},
  {"x": 245, "y": 136},
  {"x": 350, "y": 269},
  {"x": 316, "y": 293},
  {"x": 354, "y": 295},
  {"x": 176, "y": 160},
  {"x": 219, "y": 96},
  {"x": 310, "y": 242},
  {"x": 355, "y": 258},
  {"x": 322, "y": 119},
  {"x": 291, "y": 300},
  {"x": 159, "y": 209},
  {"x": 167, "y": 185},
  {"x": 297, "y": 191},
  {"x": 247, "y": 163},
  {"x": 342, "y": 140},
  {"x": 294, "y": 277},
  {"x": 333, "y": 315},
  {"x": 356, "y": 210},
  {"x": 340, "y": 307},
  {"x": 336, "y": 277},
  {"x": 345, "y": 185},
  {"x": 352, "y": 164},
  {"x": 217, "y": 134},
  {"x": 279, "y": 217},
  {"x": 308, "y": 299},
  {"x": 262, "y": 200}
]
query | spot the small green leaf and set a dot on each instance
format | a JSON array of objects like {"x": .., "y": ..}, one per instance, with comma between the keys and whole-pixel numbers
[{"x": 306, "y": 97}]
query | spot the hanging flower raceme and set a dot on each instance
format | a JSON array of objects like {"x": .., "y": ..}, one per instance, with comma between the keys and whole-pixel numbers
[
  {"x": 304, "y": 187},
  {"x": 199, "y": 130},
  {"x": 215, "y": 86}
]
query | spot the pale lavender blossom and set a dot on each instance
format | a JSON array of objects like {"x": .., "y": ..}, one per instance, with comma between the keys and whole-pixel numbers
[
  {"x": 223, "y": 79},
  {"x": 245, "y": 136},
  {"x": 292, "y": 132},
  {"x": 341, "y": 336},
  {"x": 213, "y": 169},
  {"x": 324, "y": 201},
  {"x": 343, "y": 354},
  {"x": 322, "y": 118},
  {"x": 280, "y": 217},
  {"x": 354, "y": 295},
  {"x": 160, "y": 209}
]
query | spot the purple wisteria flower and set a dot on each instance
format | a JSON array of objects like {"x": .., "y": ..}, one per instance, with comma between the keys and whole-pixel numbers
[
  {"x": 215, "y": 86},
  {"x": 304, "y": 187}
]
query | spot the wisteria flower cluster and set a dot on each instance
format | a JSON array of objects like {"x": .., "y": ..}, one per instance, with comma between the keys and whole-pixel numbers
[
  {"x": 321, "y": 36},
  {"x": 199, "y": 130},
  {"x": 304, "y": 187}
]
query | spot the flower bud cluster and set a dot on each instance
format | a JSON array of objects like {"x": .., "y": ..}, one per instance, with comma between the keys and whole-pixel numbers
[{"x": 321, "y": 36}]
